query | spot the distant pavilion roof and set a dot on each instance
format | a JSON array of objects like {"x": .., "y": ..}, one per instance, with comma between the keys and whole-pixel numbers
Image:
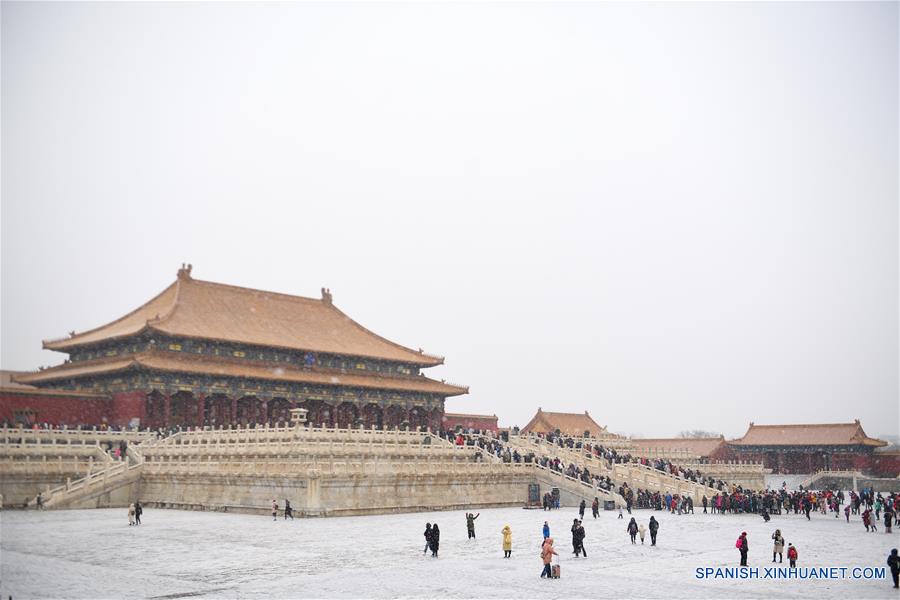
[
  {"x": 190, "y": 308},
  {"x": 162, "y": 360},
  {"x": 816, "y": 434},
  {"x": 573, "y": 424},
  {"x": 696, "y": 446}
]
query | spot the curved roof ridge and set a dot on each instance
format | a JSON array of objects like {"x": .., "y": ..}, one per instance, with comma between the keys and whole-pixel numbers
[
  {"x": 242, "y": 288},
  {"x": 175, "y": 302},
  {"x": 320, "y": 301},
  {"x": 418, "y": 353},
  {"x": 62, "y": 342},
  {"x": 850, "y": 424}
]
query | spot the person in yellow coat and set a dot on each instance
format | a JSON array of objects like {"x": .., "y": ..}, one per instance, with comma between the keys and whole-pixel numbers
[{"x": 507, "y": 541}]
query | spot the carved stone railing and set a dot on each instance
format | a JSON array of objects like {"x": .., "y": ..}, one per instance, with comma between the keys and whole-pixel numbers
[
  {"x": 823, "y": 473},
  {"x": 581, "y": 488},
  {"x": 96, "y": 481},
  {"x": 636, "y": 475},
  {"x": 22, "y": 435}
]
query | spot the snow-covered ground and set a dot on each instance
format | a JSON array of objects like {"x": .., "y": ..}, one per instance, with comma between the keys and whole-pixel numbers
[{"x": 174, "y": 554}]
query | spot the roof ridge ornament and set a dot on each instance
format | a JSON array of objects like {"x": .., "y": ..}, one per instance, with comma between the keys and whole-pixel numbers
[
  {"x": 185, "y": 271},
  {"x": 326, "y": 296}
]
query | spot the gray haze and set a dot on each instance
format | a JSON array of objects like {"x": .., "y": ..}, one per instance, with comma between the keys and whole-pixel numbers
[{"x": 674, "y": 216}]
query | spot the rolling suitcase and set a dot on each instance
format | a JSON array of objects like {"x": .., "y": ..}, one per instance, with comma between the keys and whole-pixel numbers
[{"x": 554, "y": 572}]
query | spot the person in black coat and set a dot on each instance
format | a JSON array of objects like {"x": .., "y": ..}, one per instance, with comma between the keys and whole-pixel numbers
[
  {"x": 435, "y": 539},
  {"x": 581, "y": 508},
  {"x": 893, "y": 562},
  {"x": 138, "y": 511},
  {"x": 427, "y": 537},
  {"x": 654, "y": 527},
  {"x": 579, "y": 539},
  {"x": 632, "y": 530},
  {"x": 574, "y": 541}
]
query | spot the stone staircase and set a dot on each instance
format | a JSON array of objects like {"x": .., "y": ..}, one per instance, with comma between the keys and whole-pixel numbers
[
  {"x": 832, "y": 480},
  {"x": 635, "y": 475},
  {"x": 98, "y": 488}
]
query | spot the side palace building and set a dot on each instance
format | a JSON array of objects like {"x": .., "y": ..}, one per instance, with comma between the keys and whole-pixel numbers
[{"x": 209, "y": 354}]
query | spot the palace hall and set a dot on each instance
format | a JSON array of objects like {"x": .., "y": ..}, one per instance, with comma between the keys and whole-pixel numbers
[{"x": 209, "y": 354}]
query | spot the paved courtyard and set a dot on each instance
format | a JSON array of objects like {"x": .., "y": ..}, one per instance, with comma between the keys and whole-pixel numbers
[{"x": 176, "y": 554}]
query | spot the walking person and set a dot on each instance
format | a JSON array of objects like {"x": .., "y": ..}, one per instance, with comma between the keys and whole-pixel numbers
[
  {"x": 470, "y": 524},
  {"x": 888, "y": 519},
  {"x": 131, "y": 514},
  {"x": 579, "y": 540},
  {"x": 705, "y": 502},
  {"x": 138, "y": 511},
  {"x": 435, "y": 540},
  {"x": 744, "y": 547},
  {"x": 40, "y": 501},
  {"x": 792, "y": 556},
  {"x": 427, "y": 538},
  {"x": 288, "y": 511},
  {"x": 574, "y": 541},
  {"x": 274, "y": 510},
  {"x": 595, "y": 507},
  {"x": 632, "y": 530},
  {"x": 546, "y": 530},
  {"x": 779, "y": 545},
  {"x": 868, "y": 522},
  {"x": 581, "y": 508},
  {"x": 641, "y": 531},
  {"x": 654, "y": 527},
  {"x": 547, "y": 553},
  {"x": 507, "y": 541},
  {"x": 893, "y": 562}
]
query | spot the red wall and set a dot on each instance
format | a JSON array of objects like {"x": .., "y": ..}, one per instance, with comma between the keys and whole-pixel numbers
[
  {"x": 886, "y": 465},
  {"x": 55, "y": 410},
  {"x": 486, "y": 423},
  {"x": 127, "y": 406}
]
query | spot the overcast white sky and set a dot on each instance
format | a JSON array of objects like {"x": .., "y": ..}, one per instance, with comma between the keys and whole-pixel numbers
[{"x": 674, "y": 216}]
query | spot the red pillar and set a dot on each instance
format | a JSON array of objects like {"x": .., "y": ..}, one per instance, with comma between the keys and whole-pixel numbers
[
  {"x": 201, "y": 404},
  {"x": 264, "y": 412},
  {"x": 233, "y": 411},
  {"x": 167, "y": 413}
]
